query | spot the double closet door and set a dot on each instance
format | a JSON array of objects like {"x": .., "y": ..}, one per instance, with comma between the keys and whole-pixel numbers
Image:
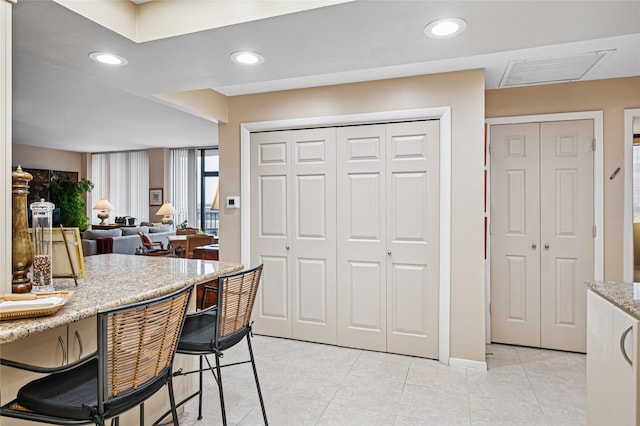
[
  {"x": 346, "y": 222},
  {"x": 542, "y": 233}
]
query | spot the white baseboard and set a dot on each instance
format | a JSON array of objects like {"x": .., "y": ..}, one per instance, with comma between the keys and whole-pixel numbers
[{"x": 467, "y": 363}]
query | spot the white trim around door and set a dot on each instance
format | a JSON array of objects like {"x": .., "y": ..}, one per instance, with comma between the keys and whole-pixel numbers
[
  {"x": 598, "y": 188},
  {"x": 441, "y": 113},
  {"x": 627, "y": 239}
]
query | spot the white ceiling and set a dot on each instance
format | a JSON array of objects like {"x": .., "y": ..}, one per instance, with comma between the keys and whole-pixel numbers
[{"x": 63, "y": 100}]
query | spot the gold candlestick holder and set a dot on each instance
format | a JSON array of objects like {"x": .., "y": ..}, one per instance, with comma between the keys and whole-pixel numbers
[{"x": 21, "y": 248}]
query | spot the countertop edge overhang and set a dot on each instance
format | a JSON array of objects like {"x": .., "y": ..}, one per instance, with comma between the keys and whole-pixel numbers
[
  {"x": 620, "y": 294},
  {"x": 114, "y": 280}
]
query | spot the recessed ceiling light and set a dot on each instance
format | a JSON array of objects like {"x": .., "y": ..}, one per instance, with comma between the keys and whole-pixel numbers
[
  {"x": 108, "y": 58},
  {"x": 247, "y": 58},
  {"x": 445, "y": 27}
]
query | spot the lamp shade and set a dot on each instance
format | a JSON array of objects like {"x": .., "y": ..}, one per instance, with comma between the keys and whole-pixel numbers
[
  {"x": 103, "y": 204},
  {"x": 166, "y": 209},
  {"x": 216, "y": 200}
]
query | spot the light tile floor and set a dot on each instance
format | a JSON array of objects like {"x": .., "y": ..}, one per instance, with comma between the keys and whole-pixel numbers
[{"x": 312, "y": 384}]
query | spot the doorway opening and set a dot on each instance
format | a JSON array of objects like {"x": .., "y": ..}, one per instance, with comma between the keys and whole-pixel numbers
[{"x": 598, "y": 240}]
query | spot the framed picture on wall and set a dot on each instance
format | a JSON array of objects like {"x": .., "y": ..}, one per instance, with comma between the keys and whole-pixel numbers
[{"x": 155, "y": 197}]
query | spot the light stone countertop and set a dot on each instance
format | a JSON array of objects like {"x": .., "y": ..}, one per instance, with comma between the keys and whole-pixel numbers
[
  {"x": 620, "y": 294},
  {"x": 114, "y": 280}
]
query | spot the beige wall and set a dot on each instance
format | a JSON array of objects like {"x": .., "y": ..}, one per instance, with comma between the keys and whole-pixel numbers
[
  {"x": 464, "y": 92},
  {"x": 49, "y": 159},
  {"x": 610, "y": 96},
  {"x": 158, "y": 175}
]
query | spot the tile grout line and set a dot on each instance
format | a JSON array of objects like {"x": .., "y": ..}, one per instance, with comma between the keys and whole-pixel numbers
[
  {"x": 535, "y": 394},
  {"x": 336, "y": 391},
  {"x": 466, "y": 375}
]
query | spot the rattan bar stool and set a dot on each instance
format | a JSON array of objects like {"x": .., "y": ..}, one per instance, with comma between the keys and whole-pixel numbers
[
  {"x": 213, "y": 330},
  {"x": 136, "y": 348}
]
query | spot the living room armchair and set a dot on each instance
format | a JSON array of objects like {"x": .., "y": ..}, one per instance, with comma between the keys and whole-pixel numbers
[{"x": 148, "y": 244}]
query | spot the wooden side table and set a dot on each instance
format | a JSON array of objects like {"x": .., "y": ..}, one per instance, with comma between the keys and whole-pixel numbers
[
  {"x": 209, "y": 252},
  {"x": 107, "y": 226}
]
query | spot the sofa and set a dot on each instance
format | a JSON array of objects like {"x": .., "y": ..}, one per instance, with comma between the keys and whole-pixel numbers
[{"x": 125, "y": 239}]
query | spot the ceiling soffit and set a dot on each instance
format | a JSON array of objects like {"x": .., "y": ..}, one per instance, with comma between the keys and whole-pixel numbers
[{"x": 153, "y": 20}]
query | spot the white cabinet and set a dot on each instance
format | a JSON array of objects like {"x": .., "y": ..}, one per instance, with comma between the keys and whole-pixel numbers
[
  {"x": 612, "y": 364},
  {"x": 81, "y": 339}
]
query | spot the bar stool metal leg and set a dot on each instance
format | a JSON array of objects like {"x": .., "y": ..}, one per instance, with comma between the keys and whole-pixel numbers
[{"x": 255, "y": 375}]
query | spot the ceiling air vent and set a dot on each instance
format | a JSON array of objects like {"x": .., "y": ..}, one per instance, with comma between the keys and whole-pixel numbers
[{"x": 551, "y": 70}]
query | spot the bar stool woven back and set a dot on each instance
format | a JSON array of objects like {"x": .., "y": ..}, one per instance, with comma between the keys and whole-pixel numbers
[
  {"x": 136, "y": 348},
  {"x": 141, "y": 342},
  {"x": 213, "y": 330}
]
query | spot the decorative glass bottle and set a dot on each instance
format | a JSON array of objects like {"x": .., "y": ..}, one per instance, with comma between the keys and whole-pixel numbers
[{"x": 42, "y": 279}]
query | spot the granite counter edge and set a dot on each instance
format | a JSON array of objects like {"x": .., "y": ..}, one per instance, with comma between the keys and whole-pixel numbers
[
  {"x": 620, "y": 294},
  {"x": 26, "y": 328}
]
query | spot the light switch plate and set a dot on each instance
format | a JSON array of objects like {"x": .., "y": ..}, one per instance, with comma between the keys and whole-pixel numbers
[{"x": 233, "y": 202}]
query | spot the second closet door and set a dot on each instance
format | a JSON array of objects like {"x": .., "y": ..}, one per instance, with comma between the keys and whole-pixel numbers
[{"x": 541, "y": 232}]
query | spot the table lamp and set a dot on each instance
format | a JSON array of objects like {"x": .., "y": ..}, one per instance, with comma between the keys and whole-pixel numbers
[
  {"x": 167, "y": 210},
  {"x": 215, "y": 205},
  {"x": 104, "y": 206}
]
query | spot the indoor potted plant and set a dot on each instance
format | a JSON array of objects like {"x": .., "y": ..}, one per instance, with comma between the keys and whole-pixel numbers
[{"x": 68, "y": 196}]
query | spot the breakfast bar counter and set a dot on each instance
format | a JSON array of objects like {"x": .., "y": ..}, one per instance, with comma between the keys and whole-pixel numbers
[
  {"x": 70, "y": 333},
  {"x": 114, "y": 280}
]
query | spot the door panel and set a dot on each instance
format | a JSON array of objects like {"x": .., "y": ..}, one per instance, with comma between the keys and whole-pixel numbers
[
  {"x": 274, "y": 303},
  {"x": 311, "y": 207},
  {"x": 362, "y": 296},
  {"x": 363, "y": 276},
  {"x": 413, "y": 232},
  {"x": 409, "y": 292},
  {"x": 517, "y": 290},
  {"x": 566, "y": 232},
  {"x": 515, "y": 234},
  {"x": 270, "y": 224},
  {"x": 272, "y": 192},
  {"x": 311, "y": 284},
  {"x": 313, "y": 246}
]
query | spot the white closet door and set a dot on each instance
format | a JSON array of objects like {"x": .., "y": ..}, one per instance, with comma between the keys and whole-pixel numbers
[
  {"x": 515, "y": 234},
  {"x": 346, "y": 222},
  {"x": 313, "y": 234},
  {"x": 412, "y": 235},
  {"x": 541, "y": 233},
  {"x": 566, "y": 201},
  {"x": 361, "y": 226},
  {"x": 270, "y": 230}
]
